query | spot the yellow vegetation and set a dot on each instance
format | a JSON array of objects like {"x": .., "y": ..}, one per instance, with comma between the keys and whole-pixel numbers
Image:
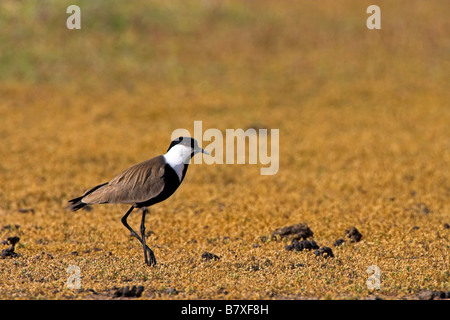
[{"x": 364, "y": 141}]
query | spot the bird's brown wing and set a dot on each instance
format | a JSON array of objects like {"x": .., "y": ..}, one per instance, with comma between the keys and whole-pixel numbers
[{"x": 138, "y": 183}]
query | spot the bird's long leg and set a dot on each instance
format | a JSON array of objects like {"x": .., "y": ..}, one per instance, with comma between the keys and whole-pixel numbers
[
  {"x": 124, "y": 222},
  {"x": 150, "y": 259},
  {"x": 144, "y": 211}
]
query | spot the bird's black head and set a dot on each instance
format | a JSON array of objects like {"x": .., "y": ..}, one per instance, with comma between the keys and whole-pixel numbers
[{"x": 188, "y": 142}]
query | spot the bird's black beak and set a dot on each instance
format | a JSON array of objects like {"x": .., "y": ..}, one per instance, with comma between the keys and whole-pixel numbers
[{"x": 198, "y": 150}]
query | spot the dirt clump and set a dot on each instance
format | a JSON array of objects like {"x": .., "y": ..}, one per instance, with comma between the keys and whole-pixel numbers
[
  {"x": 338, "y": 242},
  {"x": 296, "y": 231},
  {"x": 325, "y": 252},
  {"x": 9, "y": 252},
  {"x": 302, "y": 245},
  {"x": 433, "y": 295},
  {"x": 207, "y": 256},
  {"x": 127, "y": 292},
  {"x": 353, "y": 234}
]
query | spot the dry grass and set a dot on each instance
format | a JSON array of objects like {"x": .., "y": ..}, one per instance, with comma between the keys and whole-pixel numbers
[{"x": 364, "y": 141}]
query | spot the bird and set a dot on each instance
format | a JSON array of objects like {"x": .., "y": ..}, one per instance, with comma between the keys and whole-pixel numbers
[{"x": 143, "y": 185}]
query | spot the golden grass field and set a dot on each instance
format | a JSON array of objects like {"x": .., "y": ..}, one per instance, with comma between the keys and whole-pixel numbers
[{"x": 363, "y": 117}]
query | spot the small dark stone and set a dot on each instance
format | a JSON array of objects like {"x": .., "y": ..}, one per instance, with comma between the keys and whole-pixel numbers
[
  {"x": 302, "y": 245},
  {"x": 324, "y": 252},
  {"x": 133, "y": 292},
  {"x": 26, "y": 210},
  {"x": 353, "y": 234},
  {"x": 446, "y": 225},
  {"x": 139, "y": 290},
  {"x": 222, "y": 290},
  {"x": 118, "y": 292},
  {"x": 127, "y": 292},
  {"x": 339, "y": 242},
  {"x": 295, "y": 231},
  {"x": 9, "y": 252},
  {"x": 209, "y": 256},
  {"x": 426, "y": 295},
  {"x": 13, "y": 240},
  {"x": 309, "y": 245}
]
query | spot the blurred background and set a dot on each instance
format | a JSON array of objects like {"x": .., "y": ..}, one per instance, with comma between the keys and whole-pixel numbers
[{"x": 363, "y": 114}]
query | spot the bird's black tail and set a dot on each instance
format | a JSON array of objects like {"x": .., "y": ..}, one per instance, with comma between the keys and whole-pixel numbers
[{"x": 77, "y": 204}]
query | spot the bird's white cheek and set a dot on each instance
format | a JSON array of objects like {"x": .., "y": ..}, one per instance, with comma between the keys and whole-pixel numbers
[{"x": 177, "y": 157}]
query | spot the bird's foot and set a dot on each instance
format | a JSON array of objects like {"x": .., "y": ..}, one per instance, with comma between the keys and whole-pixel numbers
[{"x": 150, "y": 258}]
